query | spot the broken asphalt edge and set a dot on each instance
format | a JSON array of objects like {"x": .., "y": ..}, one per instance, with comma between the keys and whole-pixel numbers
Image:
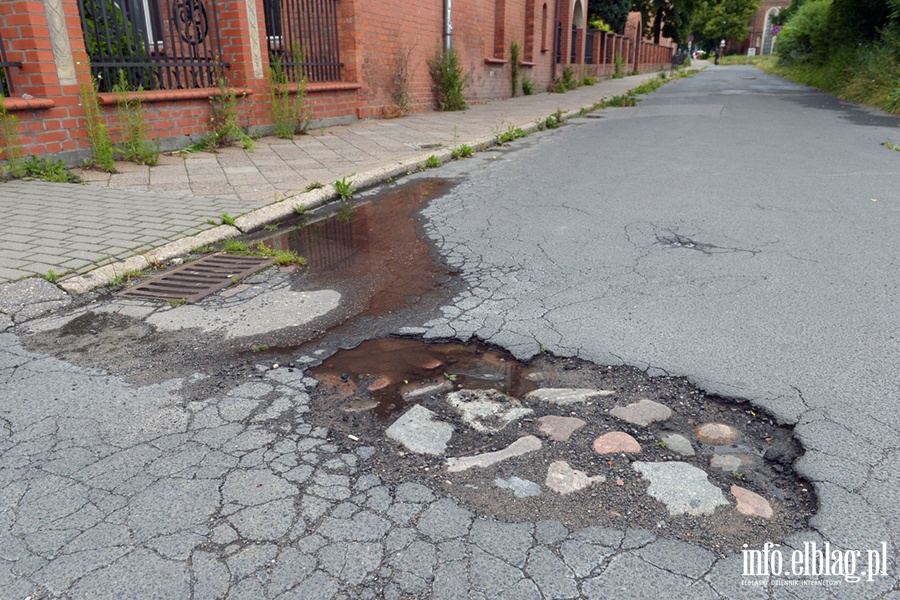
[{"x": 278, "y": 211}]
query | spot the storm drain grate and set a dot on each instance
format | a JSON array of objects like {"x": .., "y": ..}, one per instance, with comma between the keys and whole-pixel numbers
[{"x": 199, "y": 278}]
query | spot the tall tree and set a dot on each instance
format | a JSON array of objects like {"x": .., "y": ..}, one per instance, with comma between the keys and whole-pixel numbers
[
  {"x": 727, "y": 19},
  {"x": 861, "y": 19},
  {"x": 666, "y": 18},
  {"x": 614, "y": 12}
]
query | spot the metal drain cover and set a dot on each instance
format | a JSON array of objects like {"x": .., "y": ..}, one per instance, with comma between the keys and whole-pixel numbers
[{"x": 199, "y": 278}]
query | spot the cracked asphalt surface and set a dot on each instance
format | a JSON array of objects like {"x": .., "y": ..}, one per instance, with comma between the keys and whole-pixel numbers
[{"x": 733, "y": 228}]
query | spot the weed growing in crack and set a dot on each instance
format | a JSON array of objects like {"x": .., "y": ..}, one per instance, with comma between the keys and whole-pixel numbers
[
  {"x": 620, "y": 66},
  {"x": 13, "y": 151},
  {"x": 126, "y": 277},
  {"x": 227, "y": 219},
  {"x": 47, "y": 170},
  {"x": 282, "y": 257},
  {"x": 344, "y": 188},
  {"x": 223, "y": 123},
  {"x": 514, "y": 67},
  {"x": 401, "y": 77},
  {"x": 433, "y": 162},
  {"x": 449, "y": 80},
  {"x": 463, "y": 151},
  {"x": 132, "y": 129},
  {"x": 528, "y": 85},
  {"x": 288, "y": 116},
  {"x": 511, "y": 133},
  {"x": 235, "y": 247},
  {"x": 102, "y": 153}
]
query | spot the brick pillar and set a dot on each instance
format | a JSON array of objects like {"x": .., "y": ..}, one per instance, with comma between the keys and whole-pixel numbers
[
  {"x": 528, "y": 53},
  {"x": 240, "y": 46},
  {"x": 565, "y": 35},
  {"x": 601, "y": 48},
  {"x": 595, "y": 49},
  {"x": 349, "y": 41},
  {"x": 499, "y": 28},
  {"x": 26, "y": 36},
  {"x": 579, "y": 46}
]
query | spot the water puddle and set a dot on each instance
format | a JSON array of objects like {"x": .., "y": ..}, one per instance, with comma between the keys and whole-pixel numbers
[
  {"x": 371, "y": 252},
  {"x": 383, "y": 375}
]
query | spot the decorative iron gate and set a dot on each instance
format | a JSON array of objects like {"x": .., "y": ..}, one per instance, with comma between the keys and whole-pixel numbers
[
  {"x": 155, "y": 44},
  {"x": 308, "y": 28}
]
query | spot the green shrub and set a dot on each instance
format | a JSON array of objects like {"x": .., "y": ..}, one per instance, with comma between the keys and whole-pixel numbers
[
  {"x": 620, "y": 66},
  {"x": 102, "y": 152},
  {"x": 132, "y": 129},
  {"x": 11, "y": 142},
  {"x": 449, "y": 80},
  {"x": 807, "y": 35},
  {"x": 527, "y": 85},
  {"x": 48, "y": 170},
  {"x": 287, "y": 113}
]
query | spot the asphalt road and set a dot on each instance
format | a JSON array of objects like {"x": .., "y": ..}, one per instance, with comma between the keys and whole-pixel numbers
[{"x": 732, "y": 228}]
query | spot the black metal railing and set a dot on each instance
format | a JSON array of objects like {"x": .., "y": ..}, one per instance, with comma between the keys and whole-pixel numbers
[
  {"x": 589, "y": 46},
  {"x": 559, "y": 29},
  {"x": 6, "y": 82},
  {"x": 155, "y": 44},
  {"x": 304, "y": 30},
  {"x": 574, "y": 39}
]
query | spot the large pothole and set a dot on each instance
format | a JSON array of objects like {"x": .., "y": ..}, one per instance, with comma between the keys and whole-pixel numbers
[{"x": 675, "y": 474}]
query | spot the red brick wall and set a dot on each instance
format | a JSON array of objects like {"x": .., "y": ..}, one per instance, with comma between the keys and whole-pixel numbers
[
  {"x": 372, "y": 33},
  {"x": 757, "y": 25}
]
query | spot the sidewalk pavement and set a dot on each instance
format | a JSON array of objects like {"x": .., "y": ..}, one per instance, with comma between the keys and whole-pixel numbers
[{"x": 132, "y": 219}]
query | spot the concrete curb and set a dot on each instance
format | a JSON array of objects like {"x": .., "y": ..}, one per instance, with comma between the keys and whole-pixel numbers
[
  {"x": 283, "y": 209},
  {"x": 105, "y": 275}
]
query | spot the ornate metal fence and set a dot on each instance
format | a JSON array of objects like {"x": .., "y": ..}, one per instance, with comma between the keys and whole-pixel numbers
[
  {"x": 309, "y": 27},
  {"x": 589, "y": 46},
  {"x": 6, "y": 82},
  {"x": 155, "y": 44},
  {"x": 574, "y": 57}
]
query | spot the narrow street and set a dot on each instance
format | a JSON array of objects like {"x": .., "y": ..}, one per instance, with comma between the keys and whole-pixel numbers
[{"x": 688, "y": 318}]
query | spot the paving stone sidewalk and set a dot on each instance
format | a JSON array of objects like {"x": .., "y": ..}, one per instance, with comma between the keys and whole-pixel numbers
[{"x": 68, "y": 228}]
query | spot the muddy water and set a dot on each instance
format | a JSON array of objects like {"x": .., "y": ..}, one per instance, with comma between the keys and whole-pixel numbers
[
  {"x": 382, "y": 375},
  {"x": 371, "y": 252}
]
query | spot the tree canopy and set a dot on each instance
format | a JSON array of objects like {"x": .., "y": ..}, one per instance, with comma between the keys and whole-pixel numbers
[
  {"x": 728, "y": 19},
  {"x": 614, "y": 12}
]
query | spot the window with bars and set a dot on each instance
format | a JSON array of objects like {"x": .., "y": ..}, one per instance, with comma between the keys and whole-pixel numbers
[
  {"x": 154, "y": 44},
  {"x": 7, "y": 88},
  {"x": 306, "y": 29}
]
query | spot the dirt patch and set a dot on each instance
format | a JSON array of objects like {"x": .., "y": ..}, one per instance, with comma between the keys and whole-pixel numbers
[{"x": 361, "y": 394}]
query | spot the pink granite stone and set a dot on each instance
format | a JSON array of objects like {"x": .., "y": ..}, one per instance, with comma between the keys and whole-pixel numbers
[
  {"x": 716, "y": 434},
  {"x": 751, "y": 504},
  {"x": 615, "y": 442}
]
